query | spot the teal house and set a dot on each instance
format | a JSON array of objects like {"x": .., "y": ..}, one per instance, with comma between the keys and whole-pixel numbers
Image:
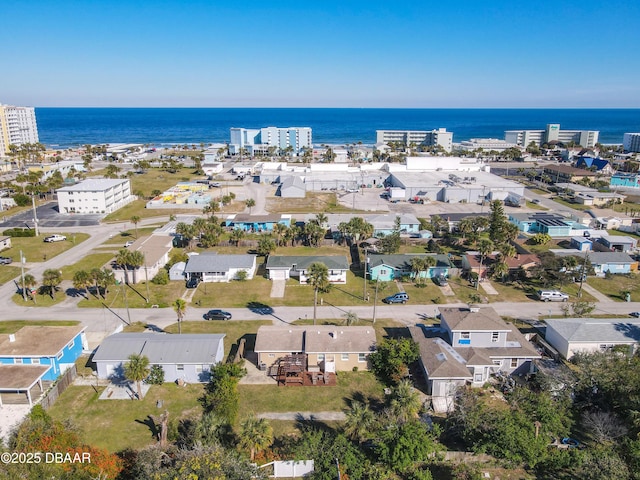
[
  {"x": 389, "y": 267},
  {"x": 631, "y": 180},
  {"x": 553, "y": 225}
]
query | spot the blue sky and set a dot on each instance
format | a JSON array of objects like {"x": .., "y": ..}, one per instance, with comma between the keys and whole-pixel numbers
[{"x": 326, "y": 53}]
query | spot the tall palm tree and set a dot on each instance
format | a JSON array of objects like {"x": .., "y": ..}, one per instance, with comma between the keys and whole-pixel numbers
[
  {"x": 180, "y": 307},
  {"x": 500, "y": 267},
  {"x": 135, "y": 220},
  {"x": 255, "y": 434},
  {"x": 51, "y": 278},
  {"x": 359, "y": 421},
  {"x": 135, "y": 261},
  {"x": 136, "y": 370},
  {"x": 321, "y": 219},
  {"x": 28, "y": 285},
  {"x": 405, "y": 401},
  {"x": 250, "y": 203},
  {"x": 485, "y": 247},
  {"x": 318, "y": 278},
  {"x": 122, "y": 261},
  {"x": 237, "y": 235},
  {"x": 81, "y": 280},
  {"x": 350, "y": 318}
]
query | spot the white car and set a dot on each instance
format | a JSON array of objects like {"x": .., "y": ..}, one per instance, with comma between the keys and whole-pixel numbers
[{"x": 55, "y": 238}]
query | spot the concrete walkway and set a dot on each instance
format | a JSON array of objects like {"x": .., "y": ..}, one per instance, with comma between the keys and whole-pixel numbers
[
  {"x": 335, "y": 416},
  {"x": 277, "y": 288},
  {"x": 488, "y": 288},
  {"x": 601, "y": 297}
]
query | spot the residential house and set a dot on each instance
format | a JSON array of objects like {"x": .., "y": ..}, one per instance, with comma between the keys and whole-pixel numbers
[
  {"x": 619, "y": 243},
  {"x": 539, "y": 222},
  {"x": 389, "y": 267},
  {"x": 281, "y": 267},
  {"x": 627, "y": 180},
  {"x": 571, "y": 335},
  {"x": 187, "y": 357},
  {"x": 155, "y": 248},
  {"x": 471, "y": 263},
  {"x": 604, "y": 262},
  {"x": 599, "y": 165},
  {"x": 54, "y": 347},
  {"x": 383, "y": 224},
  {"x": 582, "y": 244},
  {"x": 330, "y": 348},
  {"x": 95, "y": 196},
  {"x": 567, "y": 174},
  {"x": 21, "y": 379},
  {"x": 211, "y": 267},
  {"x": 256, "y": 223},
  {"x": 292, "y": 187},
  {"x": 470, "y": 344}
]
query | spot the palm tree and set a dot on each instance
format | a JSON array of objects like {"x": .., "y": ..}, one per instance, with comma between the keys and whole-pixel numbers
[
  {"x": 135, "y": 261},
  {"x": 250, "y": 203},
  {"x": 237, "y": 235},
  {"x": 81, "y": 280},
  {"x": 485, "y": 247},
  {"x": 318, "y": 278},
  {"x": 350, "y": 318},
  {"x": 359, "y": 421},
  {"x": 28, "y": 284},
  {"x": 279, "y": 231},
  {"x": 180, "y": 307},
  {"x": 405, "y": 401},
  {"x": 136, "y": 370},
  {"x": 255, "y": 434},
  {"x": 500, "y": 267},
  {"x": 321, "y": 219},
  {"x": 51, "y": 278},
  {"x": 122, "y": 261},
  {"x": 135, "y": 220}
]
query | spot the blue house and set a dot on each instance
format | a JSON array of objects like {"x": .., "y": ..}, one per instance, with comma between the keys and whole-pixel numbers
[
  {"x": 553, "y": 225},
  {"x": 389, "y": 267},
  {"x": 596, "y": 164},
  {"x": 55, "y": 347},
  {"x": 256, "y": 223},
  {"x": 625, "y": 180}
]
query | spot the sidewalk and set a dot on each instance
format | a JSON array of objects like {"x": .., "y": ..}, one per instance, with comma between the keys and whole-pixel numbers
[{"x": 601, "y": 297}]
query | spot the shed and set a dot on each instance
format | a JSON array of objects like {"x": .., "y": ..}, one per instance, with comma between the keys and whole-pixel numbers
[
  {"x": 176, "y": 272},
  {"x": 581, "y": 243}
]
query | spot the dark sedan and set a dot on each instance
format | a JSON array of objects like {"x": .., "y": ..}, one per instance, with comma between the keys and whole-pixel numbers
[{"x": 217, "y": 315}]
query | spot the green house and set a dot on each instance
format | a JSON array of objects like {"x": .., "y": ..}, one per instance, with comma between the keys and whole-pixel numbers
[{"x": 390, "y": 267}]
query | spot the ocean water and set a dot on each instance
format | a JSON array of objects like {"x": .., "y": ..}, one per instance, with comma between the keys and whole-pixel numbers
[{"x": 68, "y": 127}]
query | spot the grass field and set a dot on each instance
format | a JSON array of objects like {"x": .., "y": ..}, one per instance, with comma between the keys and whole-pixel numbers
[
  {"x": 615, "y": 285},
  {"x": 138, "y": 208},
  {"x": 12, "y": 326},
  {"x": 93, "y": 260},
  {"x": 8, "y": 272},
  {"x": 35, "y": 249},
  {"x": 313, "y": 202},
  {"x": 41, "y": 301},
  {"x": 161, "y": 295}
]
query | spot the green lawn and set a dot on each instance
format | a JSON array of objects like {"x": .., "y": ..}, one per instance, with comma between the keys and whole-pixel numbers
[
  {"x": 429, "y": 294},
  {"x": 8, "y": 272},
  {"x": 42, "y": 301},
  {"x": 575, "y": 206},
  {"x": 535, "y": 206},
  {"x": 120, "y": 424},
  {"x": 12, "y": 326},
  {"x": 161, "y": 295},
  {"x": 271, "y": 398},
  {"x": 125, "y": 236},
  {"x": 138, "y": 208},
  {"x": 35, "y": 249},
  {"x": 616, "y": 284},
  {"x": 94, "y": 260}
]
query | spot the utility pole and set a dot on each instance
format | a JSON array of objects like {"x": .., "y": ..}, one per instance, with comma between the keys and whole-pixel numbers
[
  {"x": 35, "y": 217},
  {"x": 146, "y": 278},
  {"x": 364, "y": 274},
  {"x": 375, "y": 300},
  {"x": 24, "y": 293},
  {"x": 583, "y": 273}
]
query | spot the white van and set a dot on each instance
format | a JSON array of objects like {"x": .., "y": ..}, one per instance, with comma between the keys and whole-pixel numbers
[{"x": 552, "y": 296}]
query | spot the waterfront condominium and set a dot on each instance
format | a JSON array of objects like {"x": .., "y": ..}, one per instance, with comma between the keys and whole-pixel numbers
[
  {"x": 523, "y": 138},
  {"x": 631, "y": 142},
  {"x": 427, "y": 138},
  {"x": 258, "y": 140},
  {"x": 17, "y": 126}
]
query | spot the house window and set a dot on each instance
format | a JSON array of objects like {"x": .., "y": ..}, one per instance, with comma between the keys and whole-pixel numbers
[
  {"x": 495, "y": 336},
  {"x": 199, "y": 368},
  {"x": 71, "y": 344},
  {"x": 272, "y": 355},
  {"x": 344, "y": 356},
  {"x": 321, "y": 357},
  {"x": 497, "y": 362},
  {"x": 180, "y": 367},
  {"x": 59, "y": 356},
  {"x": 465, "y": 335},
  {"x": 384, "y": 272},
  {"x": 477, "y": 377},
  {"x": 35, "y": 361},
  {"x": 17, "y": 361},
  {"x": 514, "y": 362},
  {"x": 362, "y": 357}
]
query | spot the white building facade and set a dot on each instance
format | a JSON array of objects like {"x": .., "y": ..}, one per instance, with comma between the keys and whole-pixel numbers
[
  {"x": 435, "y": 137},
  {"x": 95, "y": 196},
  {"x": 523, "y": 138},
  {"x": 17, "y": 126},
  {"x": 259, "y": 140},
  {"x": 631, "y": 142}
]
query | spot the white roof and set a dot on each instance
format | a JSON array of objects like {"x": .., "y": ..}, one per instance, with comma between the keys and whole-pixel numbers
[{"x": 93, "y": 185}]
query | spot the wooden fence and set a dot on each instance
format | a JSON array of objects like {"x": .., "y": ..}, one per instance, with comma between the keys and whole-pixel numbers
[{"x": 60, "y": 386}]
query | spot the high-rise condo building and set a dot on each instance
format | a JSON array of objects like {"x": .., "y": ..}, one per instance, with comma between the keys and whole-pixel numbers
[
  {"x": 17, "y": 126},
  {"x": 427, "y": 138},
  {"x": 523, "y": 138},
  {"x": 255, "y": 140},
  {"x": 631, "y": 142}
]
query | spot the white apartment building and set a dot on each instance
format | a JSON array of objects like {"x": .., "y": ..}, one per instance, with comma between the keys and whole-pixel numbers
[
  {"x": 428, "y": 138},
  {"x": 93, "y": 196},
  {"x": 523, "y": 138},
  {"x": 17, "y": 126},
  {"x": 631, "y": 142},
  {"x": 486, "y": 144},
  {"x": 255, "y": 140}
]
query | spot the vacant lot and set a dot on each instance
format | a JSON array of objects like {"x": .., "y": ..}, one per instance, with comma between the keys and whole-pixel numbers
[
  {"x": 35, "y": 249},
  {"x": 313, "y": 202},
  {"x": 91, "y": 261},
  {"x": 615, "y": 286},
  {"x": 8, "y": 272}
]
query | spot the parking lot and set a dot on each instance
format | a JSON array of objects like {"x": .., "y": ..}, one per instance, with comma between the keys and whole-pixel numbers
[{"x": 48, "y": 217}]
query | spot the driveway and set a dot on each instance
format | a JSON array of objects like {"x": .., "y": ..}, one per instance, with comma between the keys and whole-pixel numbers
[{"x": 49, "y": 217}]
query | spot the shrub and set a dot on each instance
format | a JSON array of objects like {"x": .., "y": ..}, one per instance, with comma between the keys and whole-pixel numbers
[
  {"x": 20, "y": 232},
  {"x": 156, "y": 375},
  {"x": 161, "y": 278},
  {"x": 21, "y": 199}
]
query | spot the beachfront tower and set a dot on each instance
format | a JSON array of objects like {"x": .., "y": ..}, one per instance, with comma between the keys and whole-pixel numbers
[
  {"x": 257, "y": 141},
  {"x": 17, "y": 126}
]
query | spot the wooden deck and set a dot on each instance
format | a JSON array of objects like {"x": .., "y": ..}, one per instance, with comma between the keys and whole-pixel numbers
[{"x": 308, "y": 379}]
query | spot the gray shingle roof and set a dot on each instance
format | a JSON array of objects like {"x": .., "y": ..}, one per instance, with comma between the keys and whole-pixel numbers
[
  {"x": 302, "y": 262},
  {"x": 401, "y": 261},
  {"x": 463, "y": 319},
  {"x": 212, "y": 262},
  {"x": 160, "y": 347},
  {"x": 315, "y": 339},
  {"x": 600, "y": 330}
]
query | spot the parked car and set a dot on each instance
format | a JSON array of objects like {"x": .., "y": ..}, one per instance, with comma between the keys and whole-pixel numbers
[
  {"x": 536, "y": 201},
  {"x": 352, "y": 190},
  {"x": 55, "y": 238},
  {"x": 441, "y": 280},
  {"x": 635, "y": 314},
  {"x": 5, "y": 260},
  {"x": 552, "y": 296},
  {"x": 193, "y": 282},
  {"x": 401, "y": 297},
  {"x": 217, "y": 315},
  {"x": 128, "y": 244}
]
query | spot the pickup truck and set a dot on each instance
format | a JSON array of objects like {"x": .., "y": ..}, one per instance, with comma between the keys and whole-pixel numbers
[{"x": 55, "y": 238}]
